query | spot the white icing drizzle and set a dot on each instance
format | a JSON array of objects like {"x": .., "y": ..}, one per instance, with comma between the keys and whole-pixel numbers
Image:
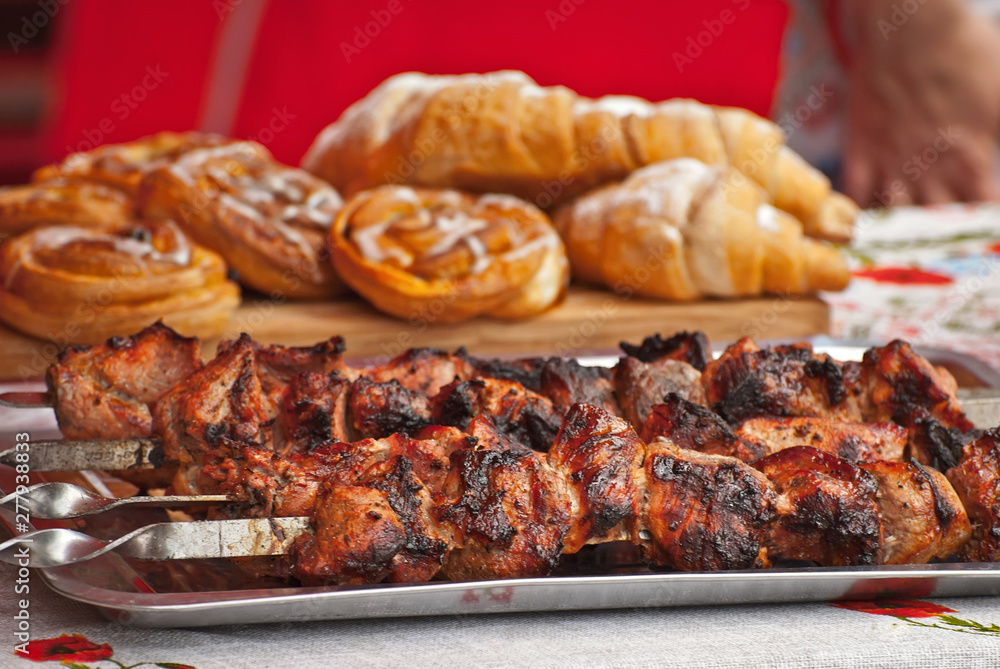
[
  {"x": 367, "y": 241},
  {"x": 453, "y": 229},
  {"x": 502, "y": 200},
  {"x": 480, "y": 253},
  {"x": 624, "y": 105},
  {"x": 767, "y": 218},
  {"x": 57, "y": 237}
]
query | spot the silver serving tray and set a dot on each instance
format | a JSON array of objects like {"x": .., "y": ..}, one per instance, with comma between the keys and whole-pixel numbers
[{"x": 110, "y": 583}]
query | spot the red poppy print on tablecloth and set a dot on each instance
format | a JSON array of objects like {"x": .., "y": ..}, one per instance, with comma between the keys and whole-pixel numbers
[
  {"x": 910, "y": 276},
  {"x": 67, "y": 648},
  {"x": 920, "y": 613},
  {"x": 900, "y": 608},
  {"x": 78, "y": 652}
]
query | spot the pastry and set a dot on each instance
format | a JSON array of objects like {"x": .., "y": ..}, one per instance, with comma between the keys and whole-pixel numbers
[
  {"x": 442, "y": 255},
  {"x": 268, "y": 221},
  {"x": 123, "y": 166},
  {"x": 682, "y": 229},
  {"x": 503, "y": 132},
  {"x": 72, "y": 285},
  {"x": 60, "y": 200}
]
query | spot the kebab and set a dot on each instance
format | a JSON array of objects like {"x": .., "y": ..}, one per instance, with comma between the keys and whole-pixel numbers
[{"x": 235, "y": 367}]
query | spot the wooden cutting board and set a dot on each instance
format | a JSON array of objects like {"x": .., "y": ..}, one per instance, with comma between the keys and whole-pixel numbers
[{"x": 590, "y": 320}]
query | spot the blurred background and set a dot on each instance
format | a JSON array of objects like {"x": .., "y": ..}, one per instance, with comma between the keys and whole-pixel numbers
[
  {"x": 868, "y": 90},
  {"x": 78, "y": 72}
]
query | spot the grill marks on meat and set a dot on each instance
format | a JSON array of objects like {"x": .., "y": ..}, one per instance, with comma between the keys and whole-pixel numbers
[
  {"x": 856, "y": 442},
  {"x": 976, "y": 478},
  {"x": 598, "y": 454},
  {"x": 906, "y": 389},
  {"x": 922, "y": 517},
  {"x": 641, "y": 385},
  {"x": 104, "y": 391},
  {"x": 690, "y": 347},
  {"x": 567, "y": 382},
  {"x": 424, "y": 370},
  {"x": 277, "y": 365},
  {"x": 314, "y": 411},
  {"x": 379, "y": 409},
  {"x": 704, "y": 512},
  {"x": 377, "y": 529},
  {"x": 526, "y": 371},
  {"x": 695, "y": 428},
  {"x": 507, "y": 517},
  {"x": 826, "y": 507},
  {"x": 750, "y": 382},
  {"x": 527, "y": 418},
  {"x": 223, "y": 400}
]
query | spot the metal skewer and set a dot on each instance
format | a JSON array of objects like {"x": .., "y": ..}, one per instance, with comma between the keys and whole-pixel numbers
[
  {"x": 26, "y": 400},
  {"x": 59, "y": 500},
  {"x": 197, "y": 539},
  {"x": 71, "y": 456}
]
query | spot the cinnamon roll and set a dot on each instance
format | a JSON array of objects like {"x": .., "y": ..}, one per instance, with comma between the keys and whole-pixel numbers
[
  {"x": 61, "y": 201},
  {"x": 444, "y": 255},
  {"x": 72, "y": 284},
  {"x": 123, "y": 166},
  {"x": 268, "y": 221}
]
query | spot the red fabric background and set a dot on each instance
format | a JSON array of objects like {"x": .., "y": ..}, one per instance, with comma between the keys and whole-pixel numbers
[{"x": 298, "y": 66}]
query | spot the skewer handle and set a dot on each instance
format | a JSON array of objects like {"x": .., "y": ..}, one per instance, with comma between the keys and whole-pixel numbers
[
  {"x": 26, "y": 400},
  {"x": 109, "y": 454},
  {"x": 198, "y": 539}
]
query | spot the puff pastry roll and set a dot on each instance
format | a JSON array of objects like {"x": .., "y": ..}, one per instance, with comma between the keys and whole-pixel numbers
[
  {"x": 442, "y": 255},
  {"x": 502, "y": 132},
  {"x": 682, "y": 230},
  {"x": 75, "y": 285},
  {"x": 269, "y": 221},
  {"x": 61, "y": 201}
]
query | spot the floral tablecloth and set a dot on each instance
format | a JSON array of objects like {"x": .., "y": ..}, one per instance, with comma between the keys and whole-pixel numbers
[{"x": 928, "y": 275}]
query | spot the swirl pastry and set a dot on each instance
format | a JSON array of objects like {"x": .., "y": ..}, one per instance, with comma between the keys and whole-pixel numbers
[
  {"x": 123, "y": 166},
  {"x": 74, "y": 285},
  {"x": 502, "y": 132},
  {"x": 268, "y": 221},
  {"x": 60, "y": 200},
  {"x": 682, "y": 229},
  {"x": 443, "y": 255}
]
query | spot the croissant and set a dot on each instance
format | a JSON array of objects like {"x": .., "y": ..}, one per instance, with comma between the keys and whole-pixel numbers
[
  {"x": 268, "y": 221},
  {"x": 503, "y": 132},
  {"x": 681, "y": 229},
  {"x": 60, "y": 200},
  {"x": 442, "y": 255},
  {"x": 75, "y": 285}
]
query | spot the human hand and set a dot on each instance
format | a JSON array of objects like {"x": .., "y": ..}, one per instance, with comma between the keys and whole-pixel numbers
[{"x": 924, "y": 113}]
